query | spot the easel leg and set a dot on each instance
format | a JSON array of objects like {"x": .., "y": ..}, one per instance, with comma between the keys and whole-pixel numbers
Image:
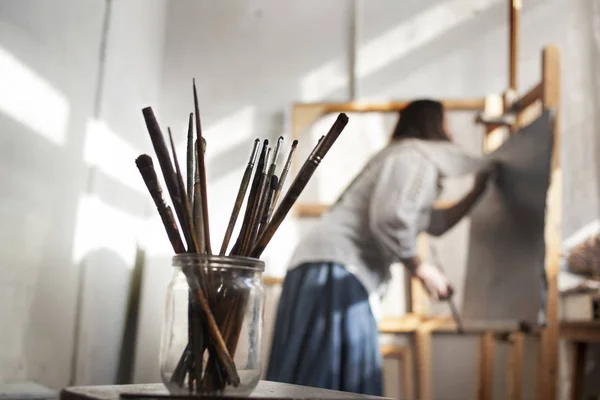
[
  {"x": 486, "y": 367},
  {"x": 515, "y": 367},
  {"x": 423, "y": 345},
  {"x": 407, "y": 374}
]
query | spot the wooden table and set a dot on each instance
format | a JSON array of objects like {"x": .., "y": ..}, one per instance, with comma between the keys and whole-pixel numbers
[{"x": 264, "y": 390}]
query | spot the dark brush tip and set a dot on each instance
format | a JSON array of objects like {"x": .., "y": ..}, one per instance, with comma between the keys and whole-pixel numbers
[
  {"x": 144, "y": 160},
  {"x": 266, "y": 142},
  {"x": 295, "y": 143}
]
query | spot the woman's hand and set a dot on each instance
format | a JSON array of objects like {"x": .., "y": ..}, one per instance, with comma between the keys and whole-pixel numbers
[{"x": 434, "y": 281}]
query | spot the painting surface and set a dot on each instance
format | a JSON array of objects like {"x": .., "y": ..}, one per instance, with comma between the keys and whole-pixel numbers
[{"x": 505, "y": 277}]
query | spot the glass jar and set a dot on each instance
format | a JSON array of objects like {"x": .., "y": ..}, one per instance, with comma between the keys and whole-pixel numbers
[{"x": 232, "y": 288}]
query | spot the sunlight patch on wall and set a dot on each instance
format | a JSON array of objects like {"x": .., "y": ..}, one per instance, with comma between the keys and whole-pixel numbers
[
  {"x": 324, "y": 80},
  {"x": 101, "y": 226},
  {"x": 112, "y": 155},
  {"x": 393, "y": 44},
  {"x": 416, "y": 32},
  {"x": 233, "y": 130},
  {"x": 31, "y": 100},
  {"x": 154, "y": 239}
]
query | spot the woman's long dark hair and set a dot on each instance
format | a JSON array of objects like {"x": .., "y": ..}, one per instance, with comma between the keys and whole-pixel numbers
[{"x": 421, "y": 119}]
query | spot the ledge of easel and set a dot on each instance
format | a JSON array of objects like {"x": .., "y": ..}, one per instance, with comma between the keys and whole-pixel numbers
[
  {"x": 388, "y": 106},
  {"x": 305, "y": 114},
  {"x": 411, "y": 323}
]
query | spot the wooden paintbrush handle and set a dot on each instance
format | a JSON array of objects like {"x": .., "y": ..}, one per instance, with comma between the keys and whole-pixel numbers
[{"x": 146, "y": 168}]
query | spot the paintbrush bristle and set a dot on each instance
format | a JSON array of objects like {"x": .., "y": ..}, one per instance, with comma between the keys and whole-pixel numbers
[{"x": 144, "y": 160}]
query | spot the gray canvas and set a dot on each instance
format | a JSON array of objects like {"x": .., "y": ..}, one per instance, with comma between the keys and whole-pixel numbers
[{"x": 505, "y": 277}]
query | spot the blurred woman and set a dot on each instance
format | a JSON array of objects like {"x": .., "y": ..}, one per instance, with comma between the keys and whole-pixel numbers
[{"x": 326, "y": 331}]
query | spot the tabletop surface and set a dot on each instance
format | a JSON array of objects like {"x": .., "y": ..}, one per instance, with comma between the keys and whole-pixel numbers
[{"x": 265, "y": 390}]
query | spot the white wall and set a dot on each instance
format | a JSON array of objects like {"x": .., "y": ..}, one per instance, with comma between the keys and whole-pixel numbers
[
  {"x": 74, "y": 76},
  {"x": 49, "y": 72}
]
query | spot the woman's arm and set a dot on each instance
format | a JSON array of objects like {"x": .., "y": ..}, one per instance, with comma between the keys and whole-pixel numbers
[
  {"x": 405, "y": 186},
  {"x": 444, "y": 218}
]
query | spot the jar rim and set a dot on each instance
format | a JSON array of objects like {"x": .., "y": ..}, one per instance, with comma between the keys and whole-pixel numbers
[{"x": 179, "y": 260}]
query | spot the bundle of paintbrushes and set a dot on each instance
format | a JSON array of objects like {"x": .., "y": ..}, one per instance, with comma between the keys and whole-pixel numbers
[{"x": 215, "y": 319}]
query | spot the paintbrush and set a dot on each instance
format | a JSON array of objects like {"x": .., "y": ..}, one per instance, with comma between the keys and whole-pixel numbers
[
  {"x": 268, "y": 204},
  {"x": 275, "y": 157},
  {"x": 146, "y": 168},
  {"x": 283, "y": 175},
  {"x": 182, "y": 198},
  {"x": 251, "y": 199},
  {"x": 202, "y": 172},
  {"x": 190, "y": 159},
  {"x": 195, "y": 326},
  {"x": 455, "y": 314},
  {"x": 264, "y": 212},
  {"x": 164, "y": 160},
  {"x": 299, "y": 183},
  {"x": 197, "y": 208},
  {"x": 240, "y": 197},
  {"x": 249, "y": 235}
]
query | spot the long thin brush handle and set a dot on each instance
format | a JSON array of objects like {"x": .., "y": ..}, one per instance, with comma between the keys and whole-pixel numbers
[
  {"x": 300, "y": 183},
  {"x": 268, "y": 204},
  {"x": 146, "y": 168},
  {"x": 275, "y": 155},
  {"x": 190, "y": 159},
  {"x": 189, "y": 226},
  {"x": 240, "y": 198},
  {"x": 164, "y": 160},
  {"x": 284, "y": 174},
  {"x": 249, "y": 235},
  {"x": 251, "y": 199},
  {"x": 213, "y": 329},
  {"x": 197, "y": 209},
  {"x": 202, "y": 172},
  {"x": 195, "y": 325}
]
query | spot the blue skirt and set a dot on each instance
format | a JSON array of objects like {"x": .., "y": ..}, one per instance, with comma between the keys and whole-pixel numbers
[{"x": 325, "y": 334}]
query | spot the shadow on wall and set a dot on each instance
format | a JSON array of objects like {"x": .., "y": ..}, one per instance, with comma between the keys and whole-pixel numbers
[{"x": 99, "y": 322}]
